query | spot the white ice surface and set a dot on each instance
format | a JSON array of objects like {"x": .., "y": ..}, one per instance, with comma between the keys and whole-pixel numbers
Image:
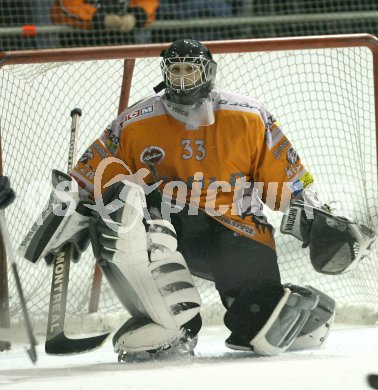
[{"x": 343, "y": 363}]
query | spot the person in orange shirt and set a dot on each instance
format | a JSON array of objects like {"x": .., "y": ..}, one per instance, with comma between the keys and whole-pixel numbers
[
  {"x": 111, "y": 22},
  {"x": 175, "y": 185}
]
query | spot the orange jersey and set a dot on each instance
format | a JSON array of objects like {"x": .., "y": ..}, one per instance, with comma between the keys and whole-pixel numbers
[{"x": 224, "y": 168}]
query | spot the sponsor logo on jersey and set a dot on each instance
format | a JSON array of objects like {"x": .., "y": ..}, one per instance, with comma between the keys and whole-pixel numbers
[
  {"x": 292, "y": 171},
  {"x": 142, "y": 111},
  {"x": 178, "y": 110},
  {"x": 101, "y": 151},
  {"x": 153, "y": 154},
  {"x": 88, "y": 155},
  {"x": 110, "y": 139},
  {"x": 274, "y": 135},
  {"x": 87, "y": 173},
  {"x": 291, "y": 156},
  {"x": 281, "y": 147},
  {"x": 235, "y": 225},
  {"x": 297, "y": 187},
  {"x": 306, "y": 179},
  {"x": 238, "y": 104}
]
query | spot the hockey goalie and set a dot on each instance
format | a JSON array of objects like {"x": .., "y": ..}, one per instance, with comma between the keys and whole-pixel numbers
[{"x": 169, "y": 191}]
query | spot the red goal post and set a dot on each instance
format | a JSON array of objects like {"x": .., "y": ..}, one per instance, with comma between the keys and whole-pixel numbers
[{"x": 323, "y": 89}]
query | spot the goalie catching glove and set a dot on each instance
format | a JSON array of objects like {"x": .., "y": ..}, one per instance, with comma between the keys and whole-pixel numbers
[
  {"x": 337, "y": 244},
  {"x": 64, "y": 220}
]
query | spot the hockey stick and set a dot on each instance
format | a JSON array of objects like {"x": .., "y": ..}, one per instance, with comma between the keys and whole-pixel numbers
[
  {"x": 9, "y": 251},
  {"x": 57, "y": 343}
]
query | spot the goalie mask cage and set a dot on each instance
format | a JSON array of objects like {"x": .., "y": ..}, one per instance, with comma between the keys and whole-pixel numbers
[{"x": 322, "y": 90}]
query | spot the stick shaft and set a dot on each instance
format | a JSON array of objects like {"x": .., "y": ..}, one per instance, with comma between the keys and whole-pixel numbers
[
  {"x": 61, "y": 267},
  {"x": 75, "y": 115},
  {"x": 10, "y": 255},
  {"x": 57, "y": 342}
]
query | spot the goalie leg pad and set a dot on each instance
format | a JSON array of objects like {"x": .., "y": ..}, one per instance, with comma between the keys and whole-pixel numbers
[
  {"x": 141, "y": 334},
  {"x": 316, "y": 329},
  {"x": 165, "y": 290},
  {"x": 303, "y": 314},
  {"x": 159, "y": 285}
]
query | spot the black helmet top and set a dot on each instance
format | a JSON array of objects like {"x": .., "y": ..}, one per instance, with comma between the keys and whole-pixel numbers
[{"x": 188, "y": 71}]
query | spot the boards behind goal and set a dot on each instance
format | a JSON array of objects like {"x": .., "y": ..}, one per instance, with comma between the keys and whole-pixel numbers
[{"x": 323, "y": 90}]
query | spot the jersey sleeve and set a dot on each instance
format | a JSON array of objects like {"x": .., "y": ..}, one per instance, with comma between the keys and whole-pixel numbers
[
  {"x": 102, "y": 163},
  {"x": 278, "y": 171}
]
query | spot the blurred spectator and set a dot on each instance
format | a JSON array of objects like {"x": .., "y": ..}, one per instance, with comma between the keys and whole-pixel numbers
[
  {"x": 108, "y": 22},
  {"x": 194, "y": 9},
  {"x": 41, "y": 10}
]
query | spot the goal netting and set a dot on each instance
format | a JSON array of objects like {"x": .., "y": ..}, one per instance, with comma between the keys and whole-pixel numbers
[{"x": 322, "y": 90}]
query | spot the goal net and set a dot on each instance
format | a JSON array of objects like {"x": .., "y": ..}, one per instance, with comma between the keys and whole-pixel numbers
[{"x": 322, "y": 90}]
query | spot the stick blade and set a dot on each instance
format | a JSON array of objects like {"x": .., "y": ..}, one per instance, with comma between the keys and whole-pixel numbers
[
  {"x": 32, "y": 353},
  {"x": 62, "y": 345}
]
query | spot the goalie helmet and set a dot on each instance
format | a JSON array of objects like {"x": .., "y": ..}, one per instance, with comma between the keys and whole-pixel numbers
[{"x": 188, "y": 70}]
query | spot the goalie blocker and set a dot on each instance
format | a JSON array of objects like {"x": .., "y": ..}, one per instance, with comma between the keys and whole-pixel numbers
[
  {"x": 337, "y": 244},
  {"x": 65, "y": 219}
]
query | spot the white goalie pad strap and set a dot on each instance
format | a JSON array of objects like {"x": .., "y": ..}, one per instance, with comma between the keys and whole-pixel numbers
[
  {"x": 159, "y": 241},
  {"x": 125, "y": 237},
  {"x": 286, "y": 321},
  {"x": 122, "y": 233},
  {"x": 177, "y": 287},
  {"x": 162, "y": 239},
  {"x": 165, "y": 290}
]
